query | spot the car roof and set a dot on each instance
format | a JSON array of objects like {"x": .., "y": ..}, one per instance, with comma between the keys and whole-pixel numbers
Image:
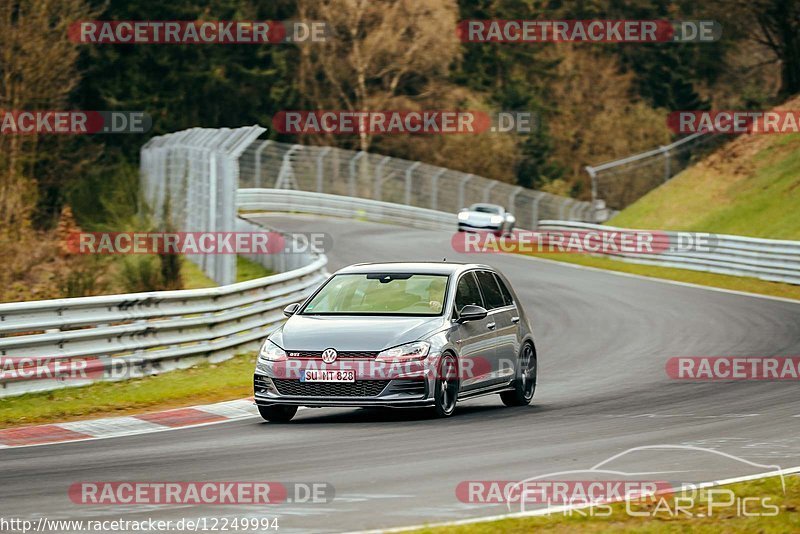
[{"x": 426, "y": 267}]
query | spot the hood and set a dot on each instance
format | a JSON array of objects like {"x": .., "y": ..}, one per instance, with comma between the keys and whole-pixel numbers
[
  {"x": 308, "y": 332},
  {"x": 480, "y": 217}
]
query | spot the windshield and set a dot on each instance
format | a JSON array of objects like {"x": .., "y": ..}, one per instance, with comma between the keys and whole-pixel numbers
[
  {"x": 380, "y": 294},
  {"x": 482, "y": 208}
]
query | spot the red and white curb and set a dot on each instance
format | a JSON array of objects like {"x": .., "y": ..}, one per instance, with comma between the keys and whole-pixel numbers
[{"x": 111, "y": 427}]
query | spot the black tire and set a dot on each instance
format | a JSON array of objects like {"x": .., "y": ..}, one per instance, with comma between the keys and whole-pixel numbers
[
  {"x": 277, "y": 413},
  {"x": 446, "y": 387},
  {"x": 525, "y": 383}
]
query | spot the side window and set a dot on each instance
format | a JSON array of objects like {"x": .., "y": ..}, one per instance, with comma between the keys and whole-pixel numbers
[
  {"x": 490, "y": 289},
  {"x": 507, "y": 299},
  {"x": 467, "y": 292}
]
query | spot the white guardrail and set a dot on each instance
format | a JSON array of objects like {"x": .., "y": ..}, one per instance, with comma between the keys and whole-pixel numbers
[
  {"x": 767, "y": 259},
  {"x": 117, "y": 337},
  {"x": 290, "y": 201}
]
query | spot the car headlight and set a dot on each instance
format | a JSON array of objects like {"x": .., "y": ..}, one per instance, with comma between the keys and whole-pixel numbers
[
  {"x": 417, "y": 350},
  {"x": 463, "y": 216},
  {"x": 270, "y": 352},
  {"x": 496, "y": 219}
]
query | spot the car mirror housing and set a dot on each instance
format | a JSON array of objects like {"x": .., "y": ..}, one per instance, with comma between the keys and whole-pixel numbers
[
  {"x": 471, "y": 312},
  {"x": 291, "y": 309}
]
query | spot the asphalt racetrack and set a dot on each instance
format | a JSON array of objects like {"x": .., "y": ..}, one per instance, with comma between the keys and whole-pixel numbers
[{"x": 602, "y": 340}]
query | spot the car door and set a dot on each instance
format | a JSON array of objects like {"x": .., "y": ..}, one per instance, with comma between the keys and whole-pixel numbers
[
  {"x": 475, "y": 339},
  {"x": 510, "y": 343},
  {"x": 501, "y": 315}
]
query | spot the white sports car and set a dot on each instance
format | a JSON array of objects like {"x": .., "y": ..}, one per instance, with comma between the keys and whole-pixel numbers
[{"x": 487, "y": 217}]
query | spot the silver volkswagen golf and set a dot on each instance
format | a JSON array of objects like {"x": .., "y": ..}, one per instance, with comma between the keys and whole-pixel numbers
[{"x": 399, "y": 335}]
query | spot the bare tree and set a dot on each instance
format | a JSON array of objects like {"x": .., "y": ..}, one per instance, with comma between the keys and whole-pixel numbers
[
  {"x": 37, "y": 71},
  {"x": 598, "y": 118},
  {"x": 771, "y": 24},
  {"x": 379, "y": 51}
]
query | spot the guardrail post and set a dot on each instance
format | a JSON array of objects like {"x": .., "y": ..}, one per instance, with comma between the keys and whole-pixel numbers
[
  {"x": 409, "y": 172},
  {"x": 461, "y": 187},
  {"x": 535, "y": 211},
  {"x": 259, "y": 150},
  {"x": 593, "y": 178},
  {"x": 378, "y": 187},
  {"x": 488, "y": 189},
  {"x": 286, "y": 175},
  {"x": 435, "y": 189},
  {"x": 513, "y": 197},
  {"x": 572, "y": 215},
  {"x": 321, "y": 155},
  {"x": 563, "y": 209},
  {"x": 351, "y": 186},
  {"x": 667, "y": 163}
]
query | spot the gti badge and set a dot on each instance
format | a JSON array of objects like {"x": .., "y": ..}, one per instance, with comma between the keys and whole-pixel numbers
[{"x": 329, "y": 355}]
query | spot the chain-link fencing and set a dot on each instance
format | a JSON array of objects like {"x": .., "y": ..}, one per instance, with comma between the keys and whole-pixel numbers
[
  {"x": 189, "y": 180},
  {"x": 274, "y": 165},
  {"x": 619, "y": 183}
]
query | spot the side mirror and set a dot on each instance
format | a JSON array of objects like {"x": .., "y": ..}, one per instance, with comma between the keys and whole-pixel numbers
[
  {"x": 470, "y": 312},
  {"x": 291, "y": 309}
]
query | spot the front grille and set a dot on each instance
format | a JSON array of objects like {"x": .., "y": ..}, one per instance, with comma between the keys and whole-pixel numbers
[
  {"x": 359, "y": 388},
  {"x": 317, "y": 354}
]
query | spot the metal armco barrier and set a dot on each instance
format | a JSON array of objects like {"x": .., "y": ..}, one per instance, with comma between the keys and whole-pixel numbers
[
  {"x": 288, "y": 201},
  {"x": 117, "y": 337},
  {"x": 193, "y": 180},
  {"x": 767, "y": 259}
]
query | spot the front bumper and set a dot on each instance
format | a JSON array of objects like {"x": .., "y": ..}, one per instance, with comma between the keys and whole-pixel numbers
[
  {"x": 467, "y": 226},
  {"x": 389, "y": 393}
]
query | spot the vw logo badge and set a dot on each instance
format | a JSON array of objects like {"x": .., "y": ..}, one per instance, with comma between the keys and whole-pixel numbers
[{"x": 329, "y": 355}]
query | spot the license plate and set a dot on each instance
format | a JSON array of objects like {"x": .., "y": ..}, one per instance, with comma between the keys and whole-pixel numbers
[{"x": 315, "y": 375}]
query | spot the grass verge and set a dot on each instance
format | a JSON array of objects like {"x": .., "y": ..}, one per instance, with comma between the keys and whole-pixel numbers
[
  {"x": 202, "y": 384},
  {"x": 749, "y": 187},
  {"x": 249, "y": 270},
  {"x": 737, "y": 283},
  {"x": 194, "y": 278},
  {"x": 659, "y": 518}
]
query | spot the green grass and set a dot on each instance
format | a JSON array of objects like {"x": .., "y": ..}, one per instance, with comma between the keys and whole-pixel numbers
[
  {"x": 749, "y": 187},
  {"x": 249, "y": 270},
  {"x": 202, "y": 384},
  {"x": 194, "y": 278},
  {"x": 737, "y": 283},
  {"x": 696, "y": 519}
]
